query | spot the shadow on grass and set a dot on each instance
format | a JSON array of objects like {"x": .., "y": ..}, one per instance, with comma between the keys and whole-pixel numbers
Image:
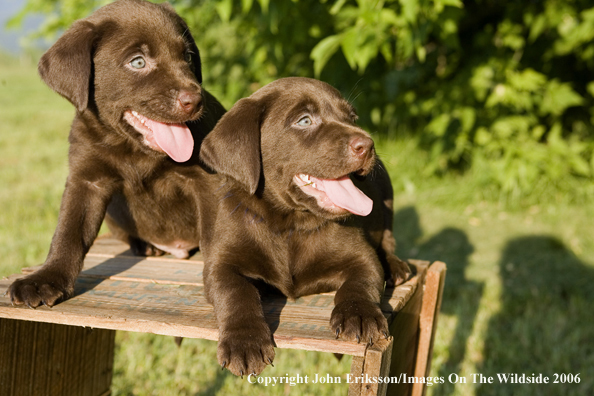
[
  {"x": 461, "y": 296},
  {"x": 545, "y": 324},
  {"x": 546, "y": 321}
]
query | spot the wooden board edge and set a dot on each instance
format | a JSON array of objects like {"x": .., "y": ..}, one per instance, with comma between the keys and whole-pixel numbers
[
  {"x": 432, "y": 297},
  {"x": 320, "y": 345},
  {"x": 356, "y": 370},
  {"x": 177, "y": 330},
  {"x": 405, "y": 330},
  {"x": 142, "y": 326},
  {"x": 377, "y": 364}
]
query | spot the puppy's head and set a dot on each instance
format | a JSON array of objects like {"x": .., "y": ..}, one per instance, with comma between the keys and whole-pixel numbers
[
  {"x": 136, "y": 66},
  {"x": 296, "y": 139}
]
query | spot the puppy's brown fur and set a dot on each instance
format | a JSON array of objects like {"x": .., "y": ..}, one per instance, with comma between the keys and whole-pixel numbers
[
  {"x": 263, "y": 227},
  {"x": 128, "y": 56}
]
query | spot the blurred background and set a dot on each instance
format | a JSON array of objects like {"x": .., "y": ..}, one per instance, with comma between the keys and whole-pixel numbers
[{"x": 483, "y": 114}]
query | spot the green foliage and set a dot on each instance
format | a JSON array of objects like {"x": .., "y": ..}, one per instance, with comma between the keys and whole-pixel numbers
[{"x": 501, "y": 86}]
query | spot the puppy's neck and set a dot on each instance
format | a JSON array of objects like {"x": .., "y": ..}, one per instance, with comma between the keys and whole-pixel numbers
[{"x": 261, "y": 209}]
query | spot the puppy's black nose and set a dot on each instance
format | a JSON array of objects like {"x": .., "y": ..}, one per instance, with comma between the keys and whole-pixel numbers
[
  {"x": 189, "y": 101},
  {"x": 361, "y": 146}
]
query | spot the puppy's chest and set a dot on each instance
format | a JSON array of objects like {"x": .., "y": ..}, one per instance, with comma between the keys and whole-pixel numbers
[
  {"x": 168, "y": 196},
  {"x": 301, "y": 250},
  {"x": 294, "y": 256}
]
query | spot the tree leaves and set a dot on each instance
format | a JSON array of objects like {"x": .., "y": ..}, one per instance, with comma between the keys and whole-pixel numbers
[
  {"x": 323, "y": 51},
  {"x": 504, "y": 84}
]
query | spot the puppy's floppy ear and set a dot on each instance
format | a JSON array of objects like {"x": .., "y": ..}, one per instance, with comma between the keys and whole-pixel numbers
[
  {"x": 233, "y": 146},
  {"x": 66, "y": 66}
]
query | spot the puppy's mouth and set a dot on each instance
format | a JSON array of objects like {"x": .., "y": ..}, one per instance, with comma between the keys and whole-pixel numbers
[
  {"x": 335, "y": 195},
  {"x": 173, "y": 139}
]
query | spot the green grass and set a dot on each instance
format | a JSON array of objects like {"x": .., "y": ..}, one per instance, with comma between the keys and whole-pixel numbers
[
  {"x": 518, "y": 295},
  {"x": 33, "y": 161}
]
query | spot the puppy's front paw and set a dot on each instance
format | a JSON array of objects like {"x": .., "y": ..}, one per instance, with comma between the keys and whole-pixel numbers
[
  {"x": 246, "y": 350},
  {"x": 359, "y": 320},
  {"x": 41, "y": 287},
  {"x": 400, "y": 271}
]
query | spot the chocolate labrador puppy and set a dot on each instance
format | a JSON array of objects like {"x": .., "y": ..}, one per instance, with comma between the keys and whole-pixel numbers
[
  {"x": 132, "y": 70},
  {"x": 303, "y": 205}
]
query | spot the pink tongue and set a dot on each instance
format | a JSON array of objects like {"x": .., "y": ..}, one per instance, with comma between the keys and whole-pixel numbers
[
  {"x": 175, "y": 139},
  {"x": 342, "y": 192}
]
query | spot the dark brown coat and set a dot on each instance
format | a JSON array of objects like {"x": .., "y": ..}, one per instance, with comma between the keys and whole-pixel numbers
[
  {"x": 263, "y": 227},
  {"x": 129, "y": 56}
]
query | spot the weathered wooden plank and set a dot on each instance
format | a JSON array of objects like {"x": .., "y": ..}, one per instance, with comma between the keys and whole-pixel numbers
[
  {"x": 405, "y": 328},
  {"x": 165, "y": 296},
  {"x": 49, "y": 359},
  {"x": 377, "y": 364},
  {"x": 157, "y": 309},
  {"x": 356, "y": 371},
  {"x": 434, "y": 284},
  {"x": 296, "y": 337},
  {"x": 394, "y": 299},
  {"x": 118, "y": 297},
  {"x": 111, "y": 259},
  {"x": 8, "y": 350},
  {"x": 182, "y": 272},
  {"x": 171, "y": 300},
  {"x": 374, "y": 364},
  {"x": 140, "y": 269},
  {"x": 155, "y": 272}
]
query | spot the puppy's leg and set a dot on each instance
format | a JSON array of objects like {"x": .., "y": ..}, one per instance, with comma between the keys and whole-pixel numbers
[
  {"x": 396, "y": 270},
  {"x": 245, "y": 342},
  {"x": 81, "y": 213},
  {"x": 357, "y": 315}
]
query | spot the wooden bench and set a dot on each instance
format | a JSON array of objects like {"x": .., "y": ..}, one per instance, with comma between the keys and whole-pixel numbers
[{"x": 54, "y": 351}]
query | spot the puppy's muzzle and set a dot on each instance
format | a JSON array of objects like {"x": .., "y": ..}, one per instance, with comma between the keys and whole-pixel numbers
[
  {"x": 188, "y": 102},
  {"x": 361, "y": 151}
]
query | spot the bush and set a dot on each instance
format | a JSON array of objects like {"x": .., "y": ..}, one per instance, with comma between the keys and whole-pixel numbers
[{"x": 498, "y": 85}]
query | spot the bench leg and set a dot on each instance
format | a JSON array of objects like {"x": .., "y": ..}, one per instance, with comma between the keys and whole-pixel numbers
[
  {"x": 375, "y": 364},
  {"x": 408, "y": 352},
  {"x": 50, "y": 359},
  {"x": 428, "y": 322},
  {"x": 405, "y": 330}
]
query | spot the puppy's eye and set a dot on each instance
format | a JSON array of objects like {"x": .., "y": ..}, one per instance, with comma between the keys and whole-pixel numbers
[
  {"x": 188, "y": 56},
  {"x": 305, "y": 121},
  {"x": 138, "y": 62}
]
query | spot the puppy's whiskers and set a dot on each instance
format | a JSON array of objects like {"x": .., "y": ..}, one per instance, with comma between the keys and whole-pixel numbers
[
  {"x": 353, "y": 90},
  {"x": 221, "y": 186},
  {"x": 237, "y": 207},
  {"x": 359, "y": 94}
]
